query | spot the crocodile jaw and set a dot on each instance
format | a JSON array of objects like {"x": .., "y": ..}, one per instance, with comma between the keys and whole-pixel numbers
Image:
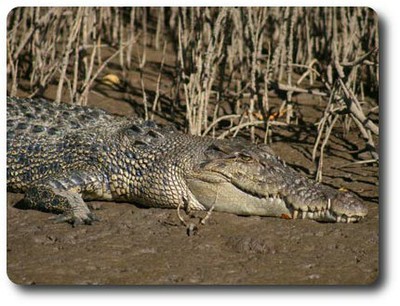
[
  {"x": 226, "y": 197},
  {"x": 212, "y": 189}
]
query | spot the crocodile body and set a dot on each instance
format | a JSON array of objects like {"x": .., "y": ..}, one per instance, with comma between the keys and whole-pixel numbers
[{"x": 61, "y": 155}]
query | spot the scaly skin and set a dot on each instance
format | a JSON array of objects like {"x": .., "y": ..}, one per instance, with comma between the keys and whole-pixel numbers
[{"x": 60, "y": 155}]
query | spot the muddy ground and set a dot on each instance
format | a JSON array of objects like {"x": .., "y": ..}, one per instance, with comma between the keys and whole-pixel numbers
[{"x": 136, "y": 245}]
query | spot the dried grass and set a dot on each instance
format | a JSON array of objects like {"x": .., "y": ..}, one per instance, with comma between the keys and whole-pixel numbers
[{"x": 224, "y": 56}]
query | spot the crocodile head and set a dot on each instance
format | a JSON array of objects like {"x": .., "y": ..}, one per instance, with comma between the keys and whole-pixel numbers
[{"x": 253, "y": 181}]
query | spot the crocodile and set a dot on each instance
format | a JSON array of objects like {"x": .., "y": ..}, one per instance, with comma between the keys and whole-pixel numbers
[{"x": 61, "y": 155}]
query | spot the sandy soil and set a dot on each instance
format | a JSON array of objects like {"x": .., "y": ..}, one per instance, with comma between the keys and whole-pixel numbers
[{"x": 135, "y": 245}]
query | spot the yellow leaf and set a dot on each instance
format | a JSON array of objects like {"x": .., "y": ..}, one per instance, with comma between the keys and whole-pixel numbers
[{"x": 111, "y": 79}]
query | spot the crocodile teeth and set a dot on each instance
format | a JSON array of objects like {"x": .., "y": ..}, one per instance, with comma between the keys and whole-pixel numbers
[
  {"x": 329, "y": 204},
  {"x": 353, "y": 219},
  {"x": 321, "y": 214}
]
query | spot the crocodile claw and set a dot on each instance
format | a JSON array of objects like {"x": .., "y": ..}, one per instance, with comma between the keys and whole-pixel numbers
[{"x": 74, "y": 219}]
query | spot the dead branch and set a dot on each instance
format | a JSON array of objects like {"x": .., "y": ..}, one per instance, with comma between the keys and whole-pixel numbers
[
  {"x": 360, "y": 60},
  {"x": 354, "y": 107},
  {"x": 318, "y": 176},
  {"x": 153, "y": 109},
  {"x": 246, "y": 124},
  {"x": 68, "y": 49},
  {"x": 88, "y": 84},
  {"x": 27, "y": 36}
]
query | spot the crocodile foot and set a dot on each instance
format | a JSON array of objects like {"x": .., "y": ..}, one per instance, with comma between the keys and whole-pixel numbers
[
  {"x": 75, "y": 219},
  {"x": 68, "y": 204}
]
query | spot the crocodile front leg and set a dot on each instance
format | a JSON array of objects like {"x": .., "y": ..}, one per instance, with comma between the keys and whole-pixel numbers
[
  {"x": 65, "y": 196},
  {"x": 68, "y": 204}
]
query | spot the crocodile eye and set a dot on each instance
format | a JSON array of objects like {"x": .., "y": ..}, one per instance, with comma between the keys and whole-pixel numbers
[{"x": 245, "y": 156}]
